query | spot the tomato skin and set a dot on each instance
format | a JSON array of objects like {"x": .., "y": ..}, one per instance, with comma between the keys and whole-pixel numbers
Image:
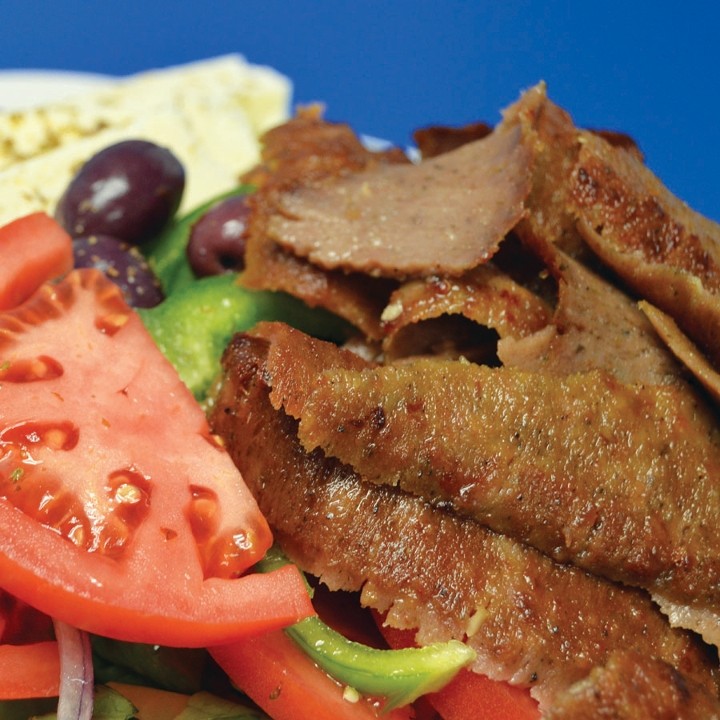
[
  {"x": 286, "y": 684},
  {"x": 34, "y": 249},
  {"x": 99, "y": 603},
  {"x": 29, "y": 671},
  {"x": 116, "y": 403}
]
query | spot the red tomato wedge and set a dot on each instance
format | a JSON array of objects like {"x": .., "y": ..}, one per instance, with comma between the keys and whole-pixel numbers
[
  {"x": 29, "y": 671},
  {"x": 119, "y": 512},
  {"x": 277, "y": 675},
  {"x": 34, "y": 249},
  {"x": 470, "y": 696}
]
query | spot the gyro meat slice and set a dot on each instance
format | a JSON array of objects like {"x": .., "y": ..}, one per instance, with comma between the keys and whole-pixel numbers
[
  {"x": 683, "y": 348},
  {"x": 305, "y": 150},
  {"x": 595, "y": 326},
  {"x": 444, "y": 215},
  {"x": 550, "y": 219},
  {"x": 532, "y": 622},
  {"x": 667, "y": 253},
  {"x": 618, "y": 479},
  {"x": 451, "y": 316},
  {"x": 632, "y": 686}
]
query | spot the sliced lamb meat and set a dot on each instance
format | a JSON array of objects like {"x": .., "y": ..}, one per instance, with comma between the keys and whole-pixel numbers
[
  {"x": 441, "y": 216},
  {"x": 633, "y": 686},
  {"x": 669, "y": 254},
  {"x": 531, "y": 621},
  {"x": 549, "y": 219},
  {"x": 618, "y": 479},
  {"x": 484, "y": 296},
  {"x": 305, "y": 150},
  {"x": 595, "y": 326},
  {"x": 684, "y": 349},
  {"x": 357, "y": 298}
]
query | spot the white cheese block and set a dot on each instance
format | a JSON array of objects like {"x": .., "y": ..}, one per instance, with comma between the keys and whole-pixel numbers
[{"x": 209, "y": 114}]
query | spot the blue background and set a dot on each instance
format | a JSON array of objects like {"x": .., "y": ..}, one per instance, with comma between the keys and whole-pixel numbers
[{"x": 651, "y": 69}]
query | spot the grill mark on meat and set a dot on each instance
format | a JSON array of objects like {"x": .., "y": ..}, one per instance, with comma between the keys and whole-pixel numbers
[
  {"x": 632, "y": 686},
  {"x": 618, "y": 479},
  {"x": 665, "y": 251},
  {"x": 527, "y": 617}
]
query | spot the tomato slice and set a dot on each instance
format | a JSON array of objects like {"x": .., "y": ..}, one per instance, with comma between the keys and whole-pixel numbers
[
  {"x": 29, "y": 671},
  {"x": 29, "y": 657},
  {"x": 34, "y": 249},
  {"x": 279, "y": 677},
  {"x": 120, "y": 513}
]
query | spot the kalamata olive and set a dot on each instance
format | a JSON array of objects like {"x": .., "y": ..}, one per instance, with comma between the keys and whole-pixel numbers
[
  {"x": 217, "y": 240},
  {"x": 124, "y": 264},
  {"x": 129, "y": 190}
]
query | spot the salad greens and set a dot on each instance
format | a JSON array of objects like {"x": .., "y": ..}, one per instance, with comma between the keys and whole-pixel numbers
[
  {"x": 194, "y": 324},
  {"x": 175, "y": 669}
]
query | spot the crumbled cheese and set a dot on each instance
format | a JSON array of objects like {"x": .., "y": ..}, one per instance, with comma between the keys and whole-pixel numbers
[{"x": 209, "y": 113}]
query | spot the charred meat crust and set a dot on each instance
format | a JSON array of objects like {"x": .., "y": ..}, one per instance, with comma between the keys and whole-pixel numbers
[
  {"x": 525, "y": 615},
  {"x": 632, "y": 686}
]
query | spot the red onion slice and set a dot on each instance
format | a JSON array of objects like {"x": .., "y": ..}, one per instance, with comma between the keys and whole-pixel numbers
[{"x": 76, "y": 673}]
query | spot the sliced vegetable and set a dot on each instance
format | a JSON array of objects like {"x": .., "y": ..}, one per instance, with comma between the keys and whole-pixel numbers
[
  {"x": 29, "y": 657},
  {"x": 21, "y": 623},
  {"x": 469, "y": 695},
  {"x": 33, "y": 250},
  {"x": 167, "y": 254},
  {"x": 400, "y": 675},
  {"x": 277, "y": 675},
  {"x": 29, "y": 671},
  {"x": 193, "y": 325},
  {"x": 76, "y": 673},
  {"x": 153, "y": 704},
  {"x": 108, "y": 468}
]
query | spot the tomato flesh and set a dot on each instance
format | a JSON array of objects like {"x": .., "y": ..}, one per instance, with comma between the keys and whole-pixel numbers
[
  {"x": 277, "y": 675},
  {"x": 119, "y": 512},
  {"x": 34, "y": 249},
  {"x": 29, "y": 671}
]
